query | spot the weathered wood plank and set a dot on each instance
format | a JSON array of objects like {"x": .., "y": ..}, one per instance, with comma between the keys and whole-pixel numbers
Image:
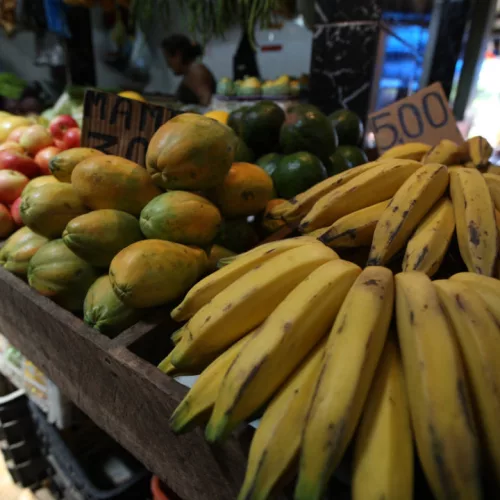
[{"x": 125, "y": 395}]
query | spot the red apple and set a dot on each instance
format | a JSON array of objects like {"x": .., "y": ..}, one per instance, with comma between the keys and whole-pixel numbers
[
  {"x": 35, "y": 138},
  {"x": 43, "y": 157},
  {"x": 11, "y": 146},
  {"x": 11, "y": 185},
  {"x": 60, "y": 124},
  {"x": 13, "y": 160},
  {"x": 6, "y": 222},
  {"x": 16, "y": 134},
  {"x": 16, "y": 213},
  {"x": 72, "y": 137}
]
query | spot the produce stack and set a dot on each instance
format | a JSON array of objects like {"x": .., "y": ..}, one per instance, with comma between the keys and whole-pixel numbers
[
  {"x": 25, "y": 150},
  {"x": 332, "y": 356},
  {"x": 102, "y": 238},
  {"x": 298, "y": 149},
  {"x": 406, "y": 208}
]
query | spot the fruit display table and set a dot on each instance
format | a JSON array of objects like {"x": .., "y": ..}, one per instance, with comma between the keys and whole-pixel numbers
[{"x": 112, "y": 382}]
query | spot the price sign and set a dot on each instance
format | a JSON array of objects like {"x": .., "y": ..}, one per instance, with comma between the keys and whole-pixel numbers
[
  {"x": 119, "y": 126},
  {"x": 422, "y": 117}
]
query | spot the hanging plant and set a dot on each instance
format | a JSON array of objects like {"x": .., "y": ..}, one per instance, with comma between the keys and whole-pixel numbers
[{"x": 208, "y": 18}]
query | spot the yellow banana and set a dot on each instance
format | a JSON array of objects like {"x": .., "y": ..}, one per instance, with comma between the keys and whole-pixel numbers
[
  {"x": 278, "y": 211},
  {"x": 479, "y": 151},
  {"x": 200, "y": 399},
  {"x": 279, "y": 346},
  {"x": 373, "y": 186},
  {"x": 204, "y": 291},
  {"x": 445, "y": 152},
  {"x": 437, "y": 391},
  {"x": 493, "y": 182},
  {"x": 478, "y": 336},
  {"x": 177, "y": 335},
  {"x": 406, "y": 209},
  {"x": 303, "y": 202},
  {"x": 276, "y": 442},
  {"x": 474, "y": 219},
  {"x": 492, "y": 169},
  {"x": 246, "y": 303},
  {"x": 427, "y": 247},
  {"x": 410, "y": 151},
  {"x": 354, "y": 229},
  {"x": 488, "y": 289},
  {"x": 166, "y": 366},
  {"x": 352, "y": 352},
  {"x": 383, "y": 451}
]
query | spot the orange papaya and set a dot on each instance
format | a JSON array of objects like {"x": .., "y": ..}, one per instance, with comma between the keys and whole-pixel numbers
[
  {"x": 58, "y": 273},
  {"x": 15, "y": 255},
  {"x": 38, "y": 181},
  {"x": 104, "y": 311},
  {"x": 49, "y": 207},
  {"x": 245, "y": 191},
  {"x": 113, "y": 182},
  {"x": 181, "y": 217},
  {"x": 99, "y": 235},
  {"x": 63, "y": 164},
  {"x": 153, "y": 272},
  {"x": 190, "y": 152}
]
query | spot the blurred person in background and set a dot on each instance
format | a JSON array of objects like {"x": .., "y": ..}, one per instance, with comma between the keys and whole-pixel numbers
[{"x": 198, "y": 84}]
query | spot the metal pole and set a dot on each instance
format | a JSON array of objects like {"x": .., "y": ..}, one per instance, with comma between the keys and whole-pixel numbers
[{"x": 481, "y": 23}]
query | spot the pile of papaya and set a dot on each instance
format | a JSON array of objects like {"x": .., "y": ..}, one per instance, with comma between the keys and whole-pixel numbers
[{"x": 108, "y": 239}]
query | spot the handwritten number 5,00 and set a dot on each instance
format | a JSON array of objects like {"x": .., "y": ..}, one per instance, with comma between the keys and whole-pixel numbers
[
  {"x": 386, "y": 126},
  {"x": 410, "y": 119},
  {"x": 403, "y": 122},
  {"x": 438, "y": 100}
]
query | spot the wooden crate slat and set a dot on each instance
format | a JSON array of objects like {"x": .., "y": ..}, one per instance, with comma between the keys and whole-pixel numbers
[{"x": 126, "y": 396}]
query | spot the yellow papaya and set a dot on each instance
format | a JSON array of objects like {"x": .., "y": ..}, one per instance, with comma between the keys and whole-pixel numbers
[
  {"x": 153, "y": 272},
  {"x": 245, "y": 191},
  {"x": 104, "y": 311},
  {"x": 38, "y": 181},
  {"x": 181, "y": 217},
  {"x": 56, "y": 272},
  {"x": 190, "y": 152},
  {"x": 113, "y": 182},
  {"x": 15, "y": 255},
  {"x": 63, "y": 164},
  {"x": 99, "y": 235},
  {"x": 49, "y": 207}
]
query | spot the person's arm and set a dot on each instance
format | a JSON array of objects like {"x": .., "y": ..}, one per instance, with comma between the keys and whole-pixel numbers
[{"x": 200, "y": 83}]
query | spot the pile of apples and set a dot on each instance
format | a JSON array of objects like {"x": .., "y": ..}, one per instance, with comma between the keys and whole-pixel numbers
[{"x": 26, "y": 154}]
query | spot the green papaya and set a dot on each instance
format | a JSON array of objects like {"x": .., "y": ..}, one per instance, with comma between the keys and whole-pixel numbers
[
  {"x": 99, "y": 235},
  {"x": 104, "y": 311},
  {"x": 58, "y": 273},
  {"x": 15, "y": 255}
]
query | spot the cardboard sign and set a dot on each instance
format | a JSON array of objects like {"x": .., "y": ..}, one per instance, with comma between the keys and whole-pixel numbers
[
  {"x": 422, "y": 117},
  {"x": 119, "y": 126}
]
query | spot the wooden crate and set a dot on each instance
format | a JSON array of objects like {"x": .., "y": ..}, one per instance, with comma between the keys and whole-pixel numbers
[{"x": 113, "y": 382}]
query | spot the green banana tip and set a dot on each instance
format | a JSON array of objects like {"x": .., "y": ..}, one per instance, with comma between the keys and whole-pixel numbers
[
  {"x": 165, "y": 365},
  {"x": 216, "y": 429},
  {"x": 307, "y": 490}
]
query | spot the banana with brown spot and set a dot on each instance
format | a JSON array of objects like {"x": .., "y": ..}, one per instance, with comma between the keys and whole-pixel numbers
[
  {"x": 406, "y": 209},
  {"x": 280, "y": 345},
  {"x": 474, "y": 219},
  {"x": 352, "y": 352},
  {"x": 436, "y": 385}
]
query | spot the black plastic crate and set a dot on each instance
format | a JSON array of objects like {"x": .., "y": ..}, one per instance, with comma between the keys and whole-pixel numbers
[{"x": 89, "y": 461}]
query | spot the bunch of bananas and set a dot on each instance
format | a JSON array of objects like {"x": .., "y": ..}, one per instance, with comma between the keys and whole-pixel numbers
[
  {"x": 407, "y": 206},
  {"x": 292, "y": 331}
]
